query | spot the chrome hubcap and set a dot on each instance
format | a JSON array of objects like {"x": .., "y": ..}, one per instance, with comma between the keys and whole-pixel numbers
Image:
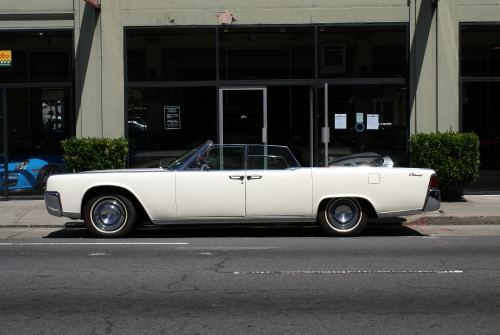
[
  {"x": 343, "y": 214},
  {"x": 109, "y": 215}
]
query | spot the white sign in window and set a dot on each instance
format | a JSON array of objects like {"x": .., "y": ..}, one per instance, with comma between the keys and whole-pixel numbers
[
  {"x": 172, "y": 117},
  {"x": 340, "y": 121},
  {"x": 372, "y": 121},
  {"x": 359, "y": 117}
]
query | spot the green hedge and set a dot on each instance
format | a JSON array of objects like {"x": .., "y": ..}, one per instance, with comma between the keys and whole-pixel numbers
[
  {"x": 86, "y": 154},
  {"x": 454, "y": 156}
]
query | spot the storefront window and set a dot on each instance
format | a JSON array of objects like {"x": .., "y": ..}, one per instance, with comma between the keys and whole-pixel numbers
[
  {"x": 361, "y": 52},
  {"x": 35, "y": 114},
  {"x": 163, "y": 123},
  {"x": 480, "y": 51},
  {"x": 480, "y": 58},
  {"x": 179, "y": 54},
  {"x": 229, "y": 107},
  {"x": 266, "y": 53},
  {"x": 50, "y": 66},
  {"x": 364, "y": 120},
  {"x": 480, "y": 106},
  {"x": 37, "y": 57}
]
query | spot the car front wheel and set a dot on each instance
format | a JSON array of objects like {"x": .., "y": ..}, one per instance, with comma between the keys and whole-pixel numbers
[
  {"x": 342, "y": 217},
  {"x": 110, "y": 215}
]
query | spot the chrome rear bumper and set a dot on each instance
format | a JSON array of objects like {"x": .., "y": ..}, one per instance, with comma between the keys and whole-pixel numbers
[
  {"x": 433, "y": 201},
  {"x": 53, "y": 203}
]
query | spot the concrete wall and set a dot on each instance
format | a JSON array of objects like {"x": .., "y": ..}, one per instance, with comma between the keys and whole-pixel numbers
[
  {"x": 38, "y": 6},
  {"x": 29, "y": 14}
]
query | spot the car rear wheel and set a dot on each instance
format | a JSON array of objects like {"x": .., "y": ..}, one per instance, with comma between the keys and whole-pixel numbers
[
  {"x": 342, "y": 217},
  {"x": 111, "y": 215},
  {"x": 43, "y": 175}
]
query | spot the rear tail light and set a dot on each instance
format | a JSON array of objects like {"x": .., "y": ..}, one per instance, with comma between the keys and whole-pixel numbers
[{"x": 434, "y": 182}]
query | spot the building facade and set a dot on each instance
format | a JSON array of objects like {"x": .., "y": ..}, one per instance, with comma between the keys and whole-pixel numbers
[{"x": 326, "y": 78}]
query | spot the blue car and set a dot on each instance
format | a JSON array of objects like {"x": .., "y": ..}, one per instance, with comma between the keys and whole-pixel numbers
[{"x": 29, "y": 172}]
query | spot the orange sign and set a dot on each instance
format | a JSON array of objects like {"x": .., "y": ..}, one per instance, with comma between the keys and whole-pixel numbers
[{"x": 5, "y": 58}]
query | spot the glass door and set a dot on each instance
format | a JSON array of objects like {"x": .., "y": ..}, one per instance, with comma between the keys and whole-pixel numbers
[{"x": 243, "y": 115}]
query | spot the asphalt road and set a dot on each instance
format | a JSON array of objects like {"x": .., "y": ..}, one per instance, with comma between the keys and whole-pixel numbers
[{"x": 391, "y": 280}]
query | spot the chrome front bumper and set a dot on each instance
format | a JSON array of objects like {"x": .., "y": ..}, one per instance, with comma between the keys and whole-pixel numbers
[
  {"x": 53, "y": 203},
  {"x": 433, "y": 201}
]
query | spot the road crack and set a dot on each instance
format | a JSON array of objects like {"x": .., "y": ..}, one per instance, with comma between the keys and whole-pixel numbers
[
  {"x": 109, "y": 323},
  {"x": 220, "y": 266}
]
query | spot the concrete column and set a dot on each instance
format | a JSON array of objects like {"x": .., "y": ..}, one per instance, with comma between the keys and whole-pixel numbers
[
  {"x": 423, "y": 86},
  {"x": 448, "y": 63},
  {"x": 112, "y": 69},
  {"x": 87, "y": 70}
]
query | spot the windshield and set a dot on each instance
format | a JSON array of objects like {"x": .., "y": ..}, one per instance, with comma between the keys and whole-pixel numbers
[{"x": 182, "y": 159}]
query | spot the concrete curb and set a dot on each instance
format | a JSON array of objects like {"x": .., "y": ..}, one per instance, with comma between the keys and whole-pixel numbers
[{"x": 453, "y": 220}]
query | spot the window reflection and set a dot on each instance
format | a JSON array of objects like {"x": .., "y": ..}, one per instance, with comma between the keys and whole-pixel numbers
[
  {"x": 152, "y": 140},
  {"x": 480, "y": 51},
  {"x": 35, "y": 115},
  {"x": 360, "y": 51},
  {"x": 171, "y": 54}
]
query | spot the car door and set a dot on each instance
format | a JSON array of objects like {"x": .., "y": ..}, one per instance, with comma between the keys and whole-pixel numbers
[
  {"x": 274, "y": 188},
  {"x": 214, "y": 185}
]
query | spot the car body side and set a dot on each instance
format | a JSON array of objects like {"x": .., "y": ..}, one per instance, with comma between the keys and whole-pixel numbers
[{"x": 166, "y": 195}]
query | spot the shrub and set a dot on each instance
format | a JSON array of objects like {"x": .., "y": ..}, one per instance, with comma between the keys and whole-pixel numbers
[
  {"x": 454, "y": 156},
  {"x": 86, "y": 154}
]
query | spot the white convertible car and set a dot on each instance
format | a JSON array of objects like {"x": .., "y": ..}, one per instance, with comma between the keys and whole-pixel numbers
[{"x": 240, "y": 184}]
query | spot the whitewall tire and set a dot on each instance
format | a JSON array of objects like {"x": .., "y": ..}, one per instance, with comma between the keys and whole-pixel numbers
[{"x": 342, "y": 217}]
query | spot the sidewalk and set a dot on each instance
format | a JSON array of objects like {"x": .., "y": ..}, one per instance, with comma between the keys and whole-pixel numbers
[
  {"x": 28, "y": 212},
  {"x": 471, "y": 210},
  {"x": 23, "y": 212}
]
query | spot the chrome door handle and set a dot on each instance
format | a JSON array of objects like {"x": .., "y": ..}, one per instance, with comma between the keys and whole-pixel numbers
[
  {"x": 238, "y": 177},
  {"x": 254, "y": 176}
]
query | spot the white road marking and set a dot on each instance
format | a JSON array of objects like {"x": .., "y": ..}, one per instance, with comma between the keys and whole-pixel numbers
[
  {"x": 343, "y": 272},
  {"x": 231, "y": 248},
  {"x": 99, "y": 243}
]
